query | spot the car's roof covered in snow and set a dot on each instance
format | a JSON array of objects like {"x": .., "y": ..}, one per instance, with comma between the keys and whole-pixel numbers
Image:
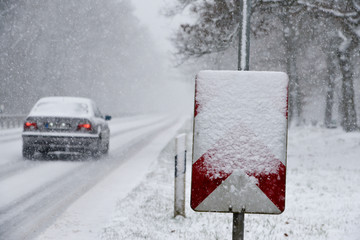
[{"x": 63, "y": 107}]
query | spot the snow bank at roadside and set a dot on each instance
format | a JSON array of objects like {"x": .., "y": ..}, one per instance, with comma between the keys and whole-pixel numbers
[{"x": 322, "y": 202}]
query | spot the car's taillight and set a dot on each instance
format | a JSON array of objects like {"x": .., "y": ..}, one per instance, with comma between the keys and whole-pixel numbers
[
  {"x": 84, "y": 126},
  {"x": 30, "y": 126}
]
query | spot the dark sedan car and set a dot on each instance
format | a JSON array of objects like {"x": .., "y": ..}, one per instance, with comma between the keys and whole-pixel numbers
[{"x": 66, "y": 124}]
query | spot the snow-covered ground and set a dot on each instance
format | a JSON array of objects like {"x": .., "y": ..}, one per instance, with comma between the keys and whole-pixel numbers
[
  {"x": 136, "y": 200},
  {"x": 323, "y": 197}
]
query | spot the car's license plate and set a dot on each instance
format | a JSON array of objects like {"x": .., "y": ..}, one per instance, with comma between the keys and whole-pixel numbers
[{"x": 51, "y": 125}]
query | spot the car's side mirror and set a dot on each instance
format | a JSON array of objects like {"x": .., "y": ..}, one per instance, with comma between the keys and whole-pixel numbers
[{"x": 107, "y": 118}]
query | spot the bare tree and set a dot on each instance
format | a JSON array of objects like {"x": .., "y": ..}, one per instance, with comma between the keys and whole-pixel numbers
[
  {"x": 347, "y": 15},
  {"x": 216, "y": 28}
]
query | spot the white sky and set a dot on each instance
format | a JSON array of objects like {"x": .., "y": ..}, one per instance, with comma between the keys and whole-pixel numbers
[{"x": 161, "y": 27}]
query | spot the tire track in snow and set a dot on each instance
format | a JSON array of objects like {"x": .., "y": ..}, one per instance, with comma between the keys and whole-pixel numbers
[
  {"x": 10, "y": 168},
  {"x": 10, "y": 135},
  {"x": 10, "y": 139}
]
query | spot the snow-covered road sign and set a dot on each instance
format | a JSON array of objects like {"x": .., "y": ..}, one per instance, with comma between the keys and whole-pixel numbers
[{"x": 240, "y": 139}]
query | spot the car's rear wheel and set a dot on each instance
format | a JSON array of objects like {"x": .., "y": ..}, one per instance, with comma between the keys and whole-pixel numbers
[
  {"x": 96, "y": 151},
  {"x": 28, "y": 152},
  {"x": 105, "y": 149}
]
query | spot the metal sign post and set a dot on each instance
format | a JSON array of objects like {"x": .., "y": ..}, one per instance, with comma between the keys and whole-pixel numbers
[
  {"x": 243, "y": 65},
  {"x": 238, "y": 225},
  {"x": 244, "y": 35}
]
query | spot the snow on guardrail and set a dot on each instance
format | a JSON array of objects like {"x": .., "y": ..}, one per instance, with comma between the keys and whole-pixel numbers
[{"x": 11, "y": 121}]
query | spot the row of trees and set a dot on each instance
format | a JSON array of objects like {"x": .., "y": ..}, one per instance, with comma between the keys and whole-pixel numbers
[
  {"x": 95, "y": 49},
  {"x": 316, "y": 42}
]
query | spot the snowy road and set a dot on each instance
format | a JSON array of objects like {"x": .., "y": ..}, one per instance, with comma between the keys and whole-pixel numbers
[{"x": 35, "y": 193}]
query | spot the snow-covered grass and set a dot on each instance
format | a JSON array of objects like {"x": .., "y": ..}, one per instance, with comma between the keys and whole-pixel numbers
[{"x": 322, "y": 198}]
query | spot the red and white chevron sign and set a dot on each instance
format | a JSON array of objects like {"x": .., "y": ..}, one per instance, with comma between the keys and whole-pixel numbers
[{"x": 240, "y": 139}]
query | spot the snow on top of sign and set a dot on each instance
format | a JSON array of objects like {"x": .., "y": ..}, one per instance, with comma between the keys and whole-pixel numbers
[{"x": 241, "y": 121}]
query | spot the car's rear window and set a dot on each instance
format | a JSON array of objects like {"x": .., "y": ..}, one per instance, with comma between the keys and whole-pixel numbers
[{"x": 60, "y": 109}]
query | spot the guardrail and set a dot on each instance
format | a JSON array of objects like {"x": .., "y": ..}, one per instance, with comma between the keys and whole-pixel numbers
[{"x": 11, "y": 121}]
